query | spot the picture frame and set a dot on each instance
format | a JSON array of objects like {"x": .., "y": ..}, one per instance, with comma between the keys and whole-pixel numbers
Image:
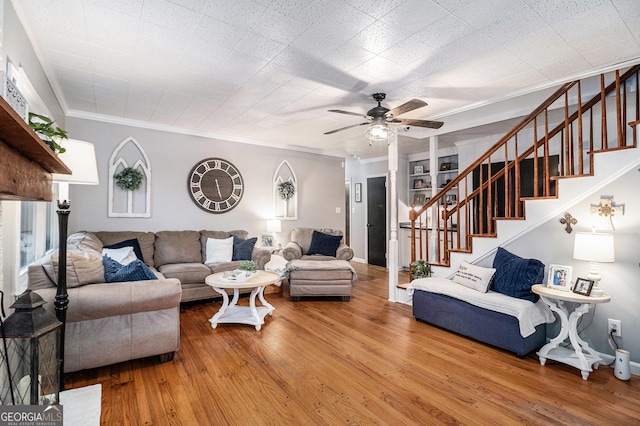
[
  {"x": 418, "y": 184},
  {"x": 267, "y": 240},
  {"x": 418, "y": 170},
  {"x": 583, "y": 286},
  {"x": 559, "y": 277},
  {"x": 419, "y": 199},
  {"x": 358, "y": 193},
  {"x": 445, "y": 166}
]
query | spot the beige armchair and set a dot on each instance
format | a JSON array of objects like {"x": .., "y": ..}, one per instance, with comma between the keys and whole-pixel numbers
[{"x": 300, "y": 243}]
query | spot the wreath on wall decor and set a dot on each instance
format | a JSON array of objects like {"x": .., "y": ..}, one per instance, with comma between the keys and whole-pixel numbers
[
  {"x": 286, "y": 190},
  {"x": 129, "y": 179}
]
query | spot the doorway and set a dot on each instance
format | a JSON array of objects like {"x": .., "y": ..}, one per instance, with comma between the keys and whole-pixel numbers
[{"x": 377, "y": 221}]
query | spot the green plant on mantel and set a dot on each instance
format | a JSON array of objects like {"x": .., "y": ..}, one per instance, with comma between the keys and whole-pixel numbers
[
  {"x": 50, "y": 134},
  {"x": 420, "y": 269}
]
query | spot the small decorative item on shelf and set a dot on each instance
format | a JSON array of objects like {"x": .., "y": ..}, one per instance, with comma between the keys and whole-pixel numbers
[
  {"x": 445, "y": 166},
  {"x": 286, "y": 190},
  {"x": 419, "y": 199},
  {"x": 418, "y": 184},
  {"x": 50, "y": 134},
  {"x": 129, "y": 179},
  {"x": 418, "y": 170},
  {"x": 420, "y": 269}
]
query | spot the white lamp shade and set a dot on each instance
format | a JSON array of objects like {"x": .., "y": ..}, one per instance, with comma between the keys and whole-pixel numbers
[
  {"x": 593, "y": 247},
  {"x": 80, "y": 157},
  {"x": 274, "y": 225}
]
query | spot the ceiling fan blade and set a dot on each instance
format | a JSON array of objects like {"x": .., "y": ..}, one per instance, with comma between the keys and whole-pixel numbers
[
  {"x": 419, "y": 123},
  {"x": 345, "y": 128},
  {"x": 339, "y": 111},
  {"x": 406, "y": 107}
]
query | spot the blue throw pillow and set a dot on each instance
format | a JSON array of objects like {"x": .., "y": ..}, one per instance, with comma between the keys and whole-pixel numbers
[
  {"x": 324, "y": 244},
  {"x": 242, "y": 248},
  {"x": 134, "y": 271},
  {"x": 128, "y": 243},
  {"x": 515, "y": 275}
]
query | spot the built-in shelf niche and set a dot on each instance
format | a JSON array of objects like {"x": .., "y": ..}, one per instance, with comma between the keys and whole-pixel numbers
[
  {"x": 129, "y": 153},
  {"x": 285, "y": 209}
]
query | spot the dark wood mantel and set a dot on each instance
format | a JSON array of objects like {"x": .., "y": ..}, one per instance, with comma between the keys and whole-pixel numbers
[{"x": 26, "y": 162}]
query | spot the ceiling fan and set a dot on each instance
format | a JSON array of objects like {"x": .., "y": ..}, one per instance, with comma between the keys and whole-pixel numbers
[{"x": 379, "y": 117}]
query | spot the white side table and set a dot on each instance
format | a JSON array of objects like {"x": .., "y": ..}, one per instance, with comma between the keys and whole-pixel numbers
[{"x": 579, "y": 354}]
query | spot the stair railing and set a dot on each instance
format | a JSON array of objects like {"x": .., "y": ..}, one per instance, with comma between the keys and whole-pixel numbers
[{"x": 557, "y": 140}]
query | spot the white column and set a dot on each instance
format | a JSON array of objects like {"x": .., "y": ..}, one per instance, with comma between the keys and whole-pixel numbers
[{"x": 392, "y": 261}]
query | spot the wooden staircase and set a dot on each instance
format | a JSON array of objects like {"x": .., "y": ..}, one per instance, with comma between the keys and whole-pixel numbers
[{"x": 558, "y": 140}]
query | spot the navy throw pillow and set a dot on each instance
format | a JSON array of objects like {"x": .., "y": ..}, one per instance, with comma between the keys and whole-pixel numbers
[
  {"x": 134, "y": 271},
  {"x": 242, "y": 248},
  {"x": 325, "y": 244},
  {"x": 128, "y": 243},
  {"x": 515, "y": 275}
]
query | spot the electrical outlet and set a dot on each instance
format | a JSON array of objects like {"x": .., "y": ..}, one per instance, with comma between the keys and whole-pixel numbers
[{"x": 615, "y": 326}]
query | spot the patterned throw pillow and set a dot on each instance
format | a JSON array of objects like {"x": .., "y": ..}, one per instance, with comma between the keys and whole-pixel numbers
[
  {"x": 515, "y": 275},
  {"x": 134, "y": 271}
]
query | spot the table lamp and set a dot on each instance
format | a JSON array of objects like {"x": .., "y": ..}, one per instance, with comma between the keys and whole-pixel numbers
[
  {"x": 80, "y": 157},
  {"x": 594, "y": 248}
]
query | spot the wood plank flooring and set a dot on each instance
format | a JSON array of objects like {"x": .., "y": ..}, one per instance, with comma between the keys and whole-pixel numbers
[{"x": 365, "y": 362}]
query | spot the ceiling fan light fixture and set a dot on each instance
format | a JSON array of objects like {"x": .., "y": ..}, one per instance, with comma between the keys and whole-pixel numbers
[{"x": 379, "y": 132}]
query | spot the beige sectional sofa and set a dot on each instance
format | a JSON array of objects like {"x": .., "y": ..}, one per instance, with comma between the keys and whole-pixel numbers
[{"x": 118, "y": 321}]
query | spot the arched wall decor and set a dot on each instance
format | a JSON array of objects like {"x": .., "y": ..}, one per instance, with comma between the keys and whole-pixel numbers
[
  {"x": 285, "y": 209},
  {"x": 122, "y": 203}
]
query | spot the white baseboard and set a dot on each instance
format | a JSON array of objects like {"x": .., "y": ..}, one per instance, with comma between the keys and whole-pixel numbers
[{"x": 609, "y": 359}]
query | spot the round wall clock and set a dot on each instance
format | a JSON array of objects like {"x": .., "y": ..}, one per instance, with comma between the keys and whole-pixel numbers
[{"x": 215, "y": 185}]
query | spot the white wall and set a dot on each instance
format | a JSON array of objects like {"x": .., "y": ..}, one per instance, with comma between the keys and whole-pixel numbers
[{"x": 320, "y": 183}]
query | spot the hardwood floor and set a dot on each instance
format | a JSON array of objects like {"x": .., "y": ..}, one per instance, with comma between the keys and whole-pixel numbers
[{"x": 364, "y": 362}]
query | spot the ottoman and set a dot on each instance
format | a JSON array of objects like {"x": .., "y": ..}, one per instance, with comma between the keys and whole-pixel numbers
[{"x": 320, "y": 278}]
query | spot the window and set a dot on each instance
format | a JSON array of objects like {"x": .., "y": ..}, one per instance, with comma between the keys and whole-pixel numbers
[{"x": 27, "y": 233}]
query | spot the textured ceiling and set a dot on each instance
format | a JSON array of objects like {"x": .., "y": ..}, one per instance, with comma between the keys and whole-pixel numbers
[{"x": 268, "y": 70}]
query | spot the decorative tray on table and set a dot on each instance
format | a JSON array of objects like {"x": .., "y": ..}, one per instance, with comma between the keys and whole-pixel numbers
[{"x": 236, "y": 276}]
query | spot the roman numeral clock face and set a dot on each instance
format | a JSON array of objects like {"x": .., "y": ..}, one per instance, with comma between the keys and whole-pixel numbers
[{"x": 215, "y": 185}]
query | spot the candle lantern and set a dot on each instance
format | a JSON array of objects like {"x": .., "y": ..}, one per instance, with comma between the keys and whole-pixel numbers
[{"x": 30, "y": 354}]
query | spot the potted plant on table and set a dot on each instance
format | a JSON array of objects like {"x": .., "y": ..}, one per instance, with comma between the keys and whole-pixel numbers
[
  {"x": 420, "y": 269},
  {"x": 50, "y": 134},
  {"x": 248, "y": 267}
]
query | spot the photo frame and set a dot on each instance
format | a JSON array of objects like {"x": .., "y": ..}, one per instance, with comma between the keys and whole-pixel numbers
[
  {"x": 445, "y": 166},
  {"x": 358, "y": 193},
  {"x": 583, "y": 286},
  {"x": 419, "y": 199},
  {"x": 559, "y": 277},
  {"x": 267, "y": 240},
  {"x": 418, "y": 184},
  {"x": 418, "y": 170}
]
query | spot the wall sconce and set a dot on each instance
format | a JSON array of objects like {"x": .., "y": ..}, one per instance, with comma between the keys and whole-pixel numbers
[{"x": 607, "y": 209}]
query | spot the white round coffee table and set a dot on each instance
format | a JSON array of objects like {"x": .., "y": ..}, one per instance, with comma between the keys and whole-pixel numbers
[{"x": 230, "y": 312}]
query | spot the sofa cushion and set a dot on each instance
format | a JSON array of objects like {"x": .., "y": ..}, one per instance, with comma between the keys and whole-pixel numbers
[
  {"x": 324, "y": 244},
  {"x": 242, "y": 249},
  {"x": 84, "y": 261},
  {"x": 186, "y": 272},
  {"x": 146, "y": 241},
  {"x": 133, "y": 243},
  {"x": 134, "y": 271},
  {"x": 515, "y": 275},
  {"x": 474, "y": 276},
  {"x": 219, "y": 250},
  {"x": 177, "y": 247}
]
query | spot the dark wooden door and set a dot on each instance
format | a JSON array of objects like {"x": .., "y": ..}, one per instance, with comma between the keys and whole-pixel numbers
[{"x": 377, "y": 221}]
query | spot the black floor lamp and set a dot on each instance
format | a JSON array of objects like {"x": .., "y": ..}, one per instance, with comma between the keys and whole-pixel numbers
[{"x": 80, "y": 157}]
